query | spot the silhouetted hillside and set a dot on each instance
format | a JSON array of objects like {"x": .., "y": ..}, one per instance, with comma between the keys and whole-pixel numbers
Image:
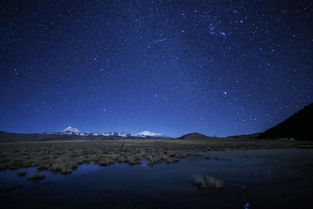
[
  {"x": 194, "y": 136},
  {"x": 298, "y": 126}
]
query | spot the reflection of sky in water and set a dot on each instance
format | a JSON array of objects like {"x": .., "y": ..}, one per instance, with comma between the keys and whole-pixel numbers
[
  {"x": 246, "y": 206},
  {"x": 251, "y": 178}
]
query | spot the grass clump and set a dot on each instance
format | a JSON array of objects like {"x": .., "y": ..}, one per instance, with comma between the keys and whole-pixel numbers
[
  {"x": 21, "y": 173},
  {"x": 199, "y": 181},
  {"x": 36, "y": 177},
  {"x": 207, "y": 182},
  {"x": 214, "y": 183}
]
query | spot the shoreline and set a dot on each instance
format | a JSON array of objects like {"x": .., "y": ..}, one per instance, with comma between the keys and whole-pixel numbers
[{"x": 65, "y": 156}]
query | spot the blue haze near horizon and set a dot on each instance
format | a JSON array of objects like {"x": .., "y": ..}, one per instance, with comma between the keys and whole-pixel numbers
[{"x": 168, "y": 66}]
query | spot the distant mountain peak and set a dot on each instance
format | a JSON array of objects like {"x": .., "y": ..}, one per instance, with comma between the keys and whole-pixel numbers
[
  {"x": 148, "y": 134},
  {"x": 70, "y": 130}
]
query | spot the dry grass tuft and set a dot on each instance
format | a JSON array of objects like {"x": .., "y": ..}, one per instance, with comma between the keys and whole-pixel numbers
[
  {"x": 199, "y": 181},
  {"x": 207, "y": 182},
  {"x": 214, "y": 183}
]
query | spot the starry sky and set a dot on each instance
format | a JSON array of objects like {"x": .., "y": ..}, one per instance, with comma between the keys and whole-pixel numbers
[{"x": 218, "y": 67}]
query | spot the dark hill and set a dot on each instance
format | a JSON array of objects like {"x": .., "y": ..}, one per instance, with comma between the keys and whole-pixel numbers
[
  {"x": 194, "y": 136},
  {"x": 298, "y": 126}
]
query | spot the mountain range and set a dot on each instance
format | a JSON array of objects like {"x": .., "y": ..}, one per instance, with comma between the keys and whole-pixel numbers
[
  {"x": 143, "y": 134},
  {"x": 298, "y": 126}
]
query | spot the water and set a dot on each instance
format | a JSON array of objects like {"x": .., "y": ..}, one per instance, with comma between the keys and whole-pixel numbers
[{"x": 253, "y": 179}]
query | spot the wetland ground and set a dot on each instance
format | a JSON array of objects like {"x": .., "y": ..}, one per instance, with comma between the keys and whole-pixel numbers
[
  {"x": 252, "y": 179},
  {"x": 65, "y": 156}
]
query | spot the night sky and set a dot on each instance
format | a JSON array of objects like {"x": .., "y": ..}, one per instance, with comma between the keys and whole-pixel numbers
[{"x": 170, "y": 66}]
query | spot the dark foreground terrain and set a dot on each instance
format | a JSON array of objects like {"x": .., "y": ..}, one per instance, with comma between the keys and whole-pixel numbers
[
  {"x": 236, "y": 179},
  {"x": 65, "y": 156}
]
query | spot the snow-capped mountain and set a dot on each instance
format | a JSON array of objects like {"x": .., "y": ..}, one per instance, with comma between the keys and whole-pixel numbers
[
  {"x": 116, "y": 134},
  {"x": 142, "y": 134},
  {"x": 70, "y": 131},
  {"x": 148, "y": 134}
]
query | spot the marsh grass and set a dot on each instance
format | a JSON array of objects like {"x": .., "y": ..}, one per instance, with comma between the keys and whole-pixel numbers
[
  {"x": 65, "y": 156},
  {"x": 21, "y": 173},
  {"x": 63, "y": 166},
  {"x": 105, "y": 161},
  {"x": 214, "y": 183},
  {"x": 203, "y": 182},
  {"x": 43, "y": 167},
  {"x": 36, "y": 177},
  {"x": 199, "y": 181},
  {"x": 217, "y": 158}
]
